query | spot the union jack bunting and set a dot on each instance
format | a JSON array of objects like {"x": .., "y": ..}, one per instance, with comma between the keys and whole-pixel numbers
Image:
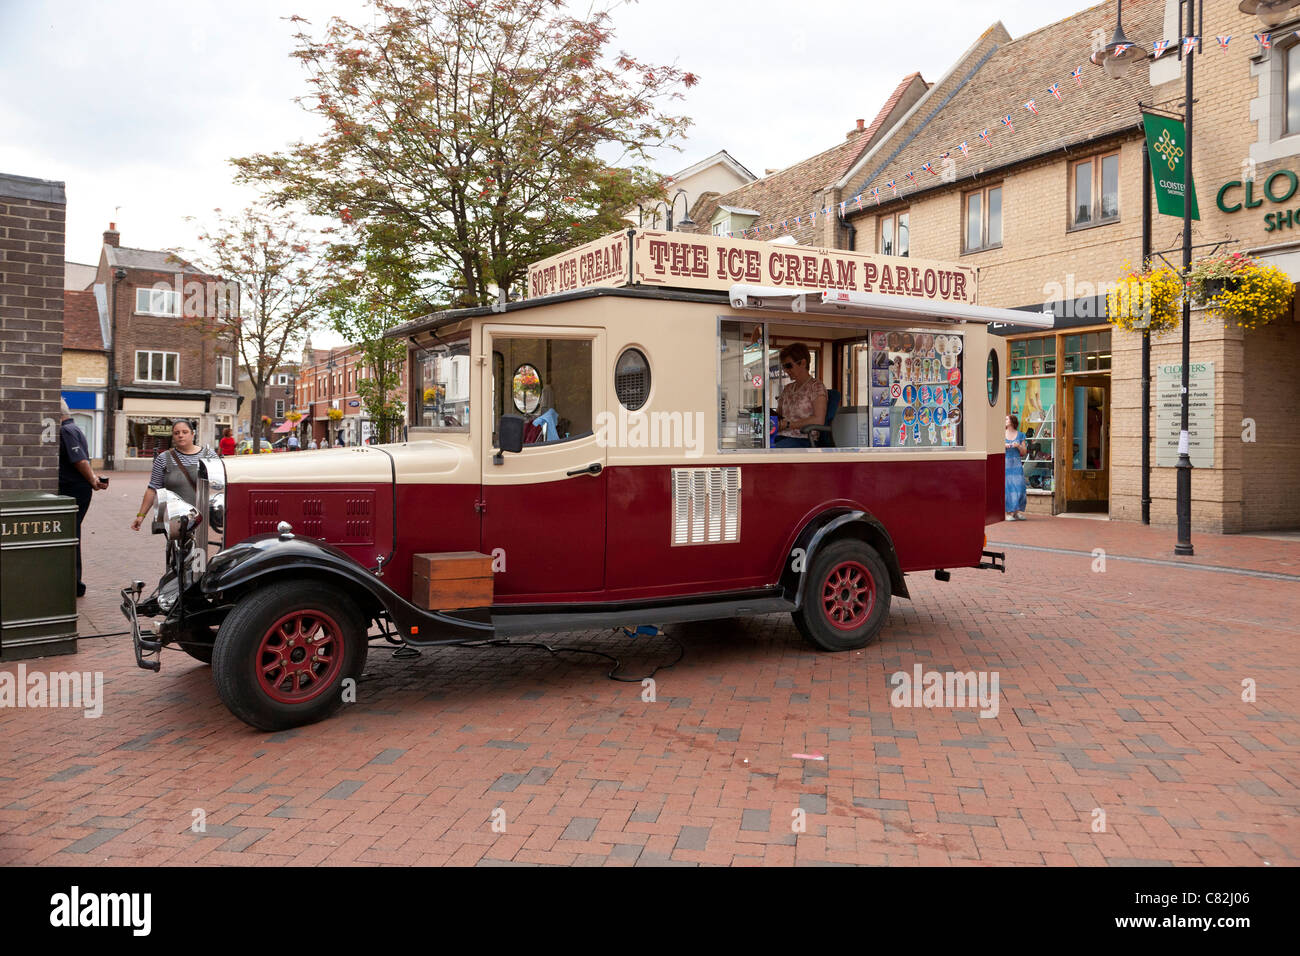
[
  {"x": 842, "y": 205},
  {"x": 1032, "y": 107},
  {"x": 1006, "y": 121},
  {"x": 984, "y": 134},
  {"x": 1121, "y": 47},
  {"x": 1158, "y": 48},
  {"x": 891, "y": 185},
  {"x": 875, "y": 194},
  {"x": 1264, "y": 39},
  {"x": 1055, "y": 90},
  {"x": 858, "y": 199},
  {"x": 965, "y": 150},
  {"x": 945, "y": 154},
  {"x": 1078, "y": 76},
  {"x": 1189, "y": 44},
  {"x": 785, "y": 223},
  {"x": 928, "y": 168},
  {"x": 1223, "y": 42},
  {"x": 911, "y": 177}
]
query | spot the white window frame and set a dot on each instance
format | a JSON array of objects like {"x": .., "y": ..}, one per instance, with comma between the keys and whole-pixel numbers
[
  {"x": 722, "y": 226},
  {"x": 279, "y": 408},
  {"x": 895, "y": 220},
  {"x": 1095, "y": 200},
  {"x": 153, "y": 294},
  {"x": 984, "y": 244},
  {"x": 151, "y": 353},
  {"x": 225, "y": 370}
]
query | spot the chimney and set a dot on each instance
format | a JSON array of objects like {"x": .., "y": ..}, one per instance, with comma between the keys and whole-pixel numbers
[
  {"x": 862, "y": 125},
  {"x": 111, "y": 236}
]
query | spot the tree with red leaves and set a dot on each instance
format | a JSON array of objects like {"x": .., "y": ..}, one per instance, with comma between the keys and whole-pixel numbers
[
  {"x": 284, "y": 274},
  {"x": 478, "y": 130}
]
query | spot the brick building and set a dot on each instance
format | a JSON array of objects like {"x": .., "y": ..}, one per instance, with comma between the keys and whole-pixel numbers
[
  {"x": 1049, "y": 207},
  {"x": 327, "y": 379},
  {"x": 85, "y": 367},
  {"x": 170, "y": 360},
  {"x": 32, "y": 216}
]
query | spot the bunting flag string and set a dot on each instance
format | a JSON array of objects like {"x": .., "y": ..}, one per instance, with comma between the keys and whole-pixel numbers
[
  {"x": 1032, "y": 107},
  {"x": 965, "y": 150},
  {"x": 1265, "y": 40},
  {"x": 1158, "y": 49},
  {"x": 1006, "y": 121},
  {"x": 1055, "y": 90},
  {"x": 1189, "y": 44},
  {"x": 984, "y": 134},
  {"x": 1077, "y": 74},
  {"x": 1223, "y": 42}
]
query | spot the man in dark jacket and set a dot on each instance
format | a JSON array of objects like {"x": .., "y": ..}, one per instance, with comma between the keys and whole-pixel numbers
[{"x": 76, "y": 478}]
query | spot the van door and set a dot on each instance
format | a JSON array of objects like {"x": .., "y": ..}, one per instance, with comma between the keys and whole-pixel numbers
[{"x": 544, "y": 508}]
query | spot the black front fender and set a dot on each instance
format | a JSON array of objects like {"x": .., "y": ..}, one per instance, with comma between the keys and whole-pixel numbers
[
  {"x": 259, "y": 560},
  {"x": 829, "y": 526}
]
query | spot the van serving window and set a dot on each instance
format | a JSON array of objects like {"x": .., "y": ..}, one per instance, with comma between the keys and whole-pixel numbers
[{"x": 549, "y": 383}]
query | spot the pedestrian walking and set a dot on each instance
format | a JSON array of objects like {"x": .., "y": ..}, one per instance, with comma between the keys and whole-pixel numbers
[
  {"x": 340, "y": 442},
  {"x": 227, "y": 443},
  {"x": 175, "y": 469},
  {"x": 77, "y": 479},
  {"x": 293, "y": 441},
  {"x": 1017, "y": 447},
  {"x": 311, "y": 445}
]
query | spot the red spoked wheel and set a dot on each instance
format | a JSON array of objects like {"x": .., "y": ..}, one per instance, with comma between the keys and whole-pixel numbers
[
  {"x": 300, "y": 656},
  {"x": 848, "y": 595},
  {"x": 284, "y": 652}
]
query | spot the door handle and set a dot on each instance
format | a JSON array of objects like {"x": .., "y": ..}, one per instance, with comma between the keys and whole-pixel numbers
[{"x": 595, "y": 468}]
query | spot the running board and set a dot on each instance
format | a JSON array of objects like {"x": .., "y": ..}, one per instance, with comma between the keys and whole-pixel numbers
[
  {"x": 513, "y": 625},
  {"x": 997, "y": 561}
]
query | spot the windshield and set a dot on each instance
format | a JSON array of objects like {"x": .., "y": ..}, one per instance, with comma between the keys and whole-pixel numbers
[{"x": 444, "y": 397}]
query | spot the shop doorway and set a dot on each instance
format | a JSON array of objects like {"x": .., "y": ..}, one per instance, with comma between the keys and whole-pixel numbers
[{"x": 1086, "y": 447}]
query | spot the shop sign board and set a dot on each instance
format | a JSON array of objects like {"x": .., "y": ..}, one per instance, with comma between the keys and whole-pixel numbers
[
  {"x": 688, "y": 261},
  {"x": 1200, "y": 414}
]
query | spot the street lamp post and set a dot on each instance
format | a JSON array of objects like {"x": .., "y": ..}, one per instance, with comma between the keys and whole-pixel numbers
[{"x": 669, "y": 206}]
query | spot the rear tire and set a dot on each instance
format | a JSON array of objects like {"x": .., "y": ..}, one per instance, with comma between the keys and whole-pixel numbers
[
  {"x": 846, "y": 595},
  {"x": 282, "y": 654}
]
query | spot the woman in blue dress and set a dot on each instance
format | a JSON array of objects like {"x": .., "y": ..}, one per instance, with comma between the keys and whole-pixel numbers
[{"x": 1017, "y": 447}]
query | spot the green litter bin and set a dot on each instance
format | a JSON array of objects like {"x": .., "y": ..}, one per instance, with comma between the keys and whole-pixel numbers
[{"x": 38, "y": 575}]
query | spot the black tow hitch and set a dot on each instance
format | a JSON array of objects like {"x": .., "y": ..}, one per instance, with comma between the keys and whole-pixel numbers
[
  {"x": 997, "y": 561},
  {"x": 147, "y": 645}
]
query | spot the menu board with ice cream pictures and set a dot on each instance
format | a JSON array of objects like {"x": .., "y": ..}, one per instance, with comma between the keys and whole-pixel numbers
[{"x": 916, "y": 389}]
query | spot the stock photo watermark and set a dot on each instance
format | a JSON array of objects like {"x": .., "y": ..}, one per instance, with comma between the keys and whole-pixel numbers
[
  {"x": 82, "y": 690},
  {"x": 951, "y": 690}
]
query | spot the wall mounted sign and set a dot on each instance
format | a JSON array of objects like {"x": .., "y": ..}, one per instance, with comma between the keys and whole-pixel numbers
[
  {"x": 1167, "y": 144},
  {"x": 1200, "y": 414},
  {"x": 1236, "y": 195}
]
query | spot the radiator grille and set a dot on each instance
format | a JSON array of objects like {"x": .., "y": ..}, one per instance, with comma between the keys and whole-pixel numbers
[{"x": 706, "y": 506}]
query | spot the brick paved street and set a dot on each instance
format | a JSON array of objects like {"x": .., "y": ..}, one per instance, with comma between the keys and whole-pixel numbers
[{"x": 1120, "y": 692}]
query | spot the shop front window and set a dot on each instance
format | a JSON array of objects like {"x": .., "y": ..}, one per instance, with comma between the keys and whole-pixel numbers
[
  {"x": 1087, "y": 352},
  {"x": 148, "y": 437}
]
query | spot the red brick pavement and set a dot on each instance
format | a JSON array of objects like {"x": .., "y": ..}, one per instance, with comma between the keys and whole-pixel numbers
[{"x": 1120, "y": 692}]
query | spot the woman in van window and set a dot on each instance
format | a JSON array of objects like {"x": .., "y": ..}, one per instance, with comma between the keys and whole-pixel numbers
[{"x": 802, "y": 402}]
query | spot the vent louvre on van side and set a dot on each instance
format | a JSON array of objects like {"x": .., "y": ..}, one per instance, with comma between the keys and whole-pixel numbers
[{"x": 706, "y": 505}]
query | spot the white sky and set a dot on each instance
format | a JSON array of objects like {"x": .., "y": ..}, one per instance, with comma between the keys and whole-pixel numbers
[{"x": 138, "y": 104}]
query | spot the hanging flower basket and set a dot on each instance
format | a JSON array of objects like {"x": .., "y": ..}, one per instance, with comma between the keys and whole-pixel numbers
[
  {"x": 294, "y": 417},
  {"x": 1211, "y": 276},
  {"x": 1145, "y": 301},
  {"x": 335, "y": 414},
  {"x": 1261, "y": 295}
]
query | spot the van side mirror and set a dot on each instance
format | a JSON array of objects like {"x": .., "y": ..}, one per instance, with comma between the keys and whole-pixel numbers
[{"x": 510, "y": 433}]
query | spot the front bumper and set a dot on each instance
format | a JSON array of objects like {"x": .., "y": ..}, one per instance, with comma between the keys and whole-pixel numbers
[{"x": 148, "y": 646}]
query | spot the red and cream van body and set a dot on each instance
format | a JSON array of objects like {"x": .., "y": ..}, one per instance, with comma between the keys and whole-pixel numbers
[{"x": 610, "y": 462}]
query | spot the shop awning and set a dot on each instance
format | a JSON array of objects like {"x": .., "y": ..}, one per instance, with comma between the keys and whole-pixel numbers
[
  {"x": 876, "y": 305},
  {"x": 281, "y": 429}
]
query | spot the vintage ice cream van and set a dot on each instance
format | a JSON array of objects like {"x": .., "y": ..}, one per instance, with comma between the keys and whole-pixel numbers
[{"x": 669, "y": 428}]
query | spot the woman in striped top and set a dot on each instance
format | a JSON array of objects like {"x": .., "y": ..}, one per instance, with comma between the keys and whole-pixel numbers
[{"x": 169, "y": 469}]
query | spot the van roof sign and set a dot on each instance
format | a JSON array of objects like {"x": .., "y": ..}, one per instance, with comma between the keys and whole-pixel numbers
[{"x": 677, "y": 260}]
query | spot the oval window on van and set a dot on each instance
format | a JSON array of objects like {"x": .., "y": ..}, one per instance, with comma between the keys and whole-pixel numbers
[
  {"x": 993, "y": 377},
  {"x": 526, "y": 389},
  {"x": 632, "y": 379}
]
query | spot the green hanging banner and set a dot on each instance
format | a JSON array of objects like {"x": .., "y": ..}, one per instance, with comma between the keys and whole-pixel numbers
[{"x": 1167, "y": 143}]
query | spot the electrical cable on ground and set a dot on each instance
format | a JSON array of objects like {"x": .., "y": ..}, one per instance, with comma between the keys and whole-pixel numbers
[{"x": 555, "y": 651}]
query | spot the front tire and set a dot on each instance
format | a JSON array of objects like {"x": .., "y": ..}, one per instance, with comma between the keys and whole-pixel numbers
[
  {"x": 282, "y": 654},
  {"x": 846, "y": 597}
]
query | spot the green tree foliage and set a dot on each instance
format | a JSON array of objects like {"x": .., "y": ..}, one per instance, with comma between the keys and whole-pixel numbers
[
  {"x": 475, "y": 131},
  {"x": 283, "y": 272}
]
